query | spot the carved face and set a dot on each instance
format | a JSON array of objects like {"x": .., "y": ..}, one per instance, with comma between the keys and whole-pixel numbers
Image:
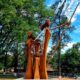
[{"x": 29, "y": 33}]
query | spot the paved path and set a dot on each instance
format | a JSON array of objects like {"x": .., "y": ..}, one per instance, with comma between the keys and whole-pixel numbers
[
  {"x": 49, "y": 79},
  {"x": 63, "y": 79},
  {"x": 54, "y": 79},
  {"x": 78, "y": 78}
]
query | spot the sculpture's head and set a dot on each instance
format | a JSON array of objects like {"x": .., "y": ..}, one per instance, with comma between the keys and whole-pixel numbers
[
  {"x": 30, "y": 39},
  {"x": 46, "y": 24},
  {"x": 30, "y": 35}
]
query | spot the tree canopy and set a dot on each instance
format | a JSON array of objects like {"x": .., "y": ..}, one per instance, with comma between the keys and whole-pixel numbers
[
  {"x": 17, "y": 17},
  {"x": 70, "y": 60}
]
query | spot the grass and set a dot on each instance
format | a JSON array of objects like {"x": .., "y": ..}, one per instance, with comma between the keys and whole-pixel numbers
[{"x": 7, "y": 76}]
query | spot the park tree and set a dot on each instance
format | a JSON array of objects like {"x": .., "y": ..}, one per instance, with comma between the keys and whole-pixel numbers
[
  {"x": 59, "y": 40},
  {"x": 17, "y": 17},
  {"x": 59, "y": 19},
  {"x": 71, "y": 60}
]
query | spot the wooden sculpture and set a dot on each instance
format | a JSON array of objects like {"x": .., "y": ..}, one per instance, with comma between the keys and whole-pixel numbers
[
  {"x": 43, "y": 69},
  {"x": 36, "y": 66},
  {"x": 36, "y": 61},
  {"x": 29, "y": 68}
]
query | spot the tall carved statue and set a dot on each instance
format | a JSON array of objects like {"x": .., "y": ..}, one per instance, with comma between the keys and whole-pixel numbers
[
  {"x": 36, "y": 66},
  {"x": 43, "y": 69},
  {"x": 29, "y": 68}
]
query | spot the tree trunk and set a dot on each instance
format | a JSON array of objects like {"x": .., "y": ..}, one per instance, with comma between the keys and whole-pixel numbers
[
  {"x": 59, "y": 55},
  {"x": 15, "y": 61},
  {"x": 5, "y": 61}
]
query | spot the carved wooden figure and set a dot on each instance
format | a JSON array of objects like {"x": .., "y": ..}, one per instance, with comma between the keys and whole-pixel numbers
[
  {"x": 36, "y": 60},
  {"x": 36, "y": 66},
  {"x": 29, "y": 68},
  {"x": 43, "y": 69}
]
